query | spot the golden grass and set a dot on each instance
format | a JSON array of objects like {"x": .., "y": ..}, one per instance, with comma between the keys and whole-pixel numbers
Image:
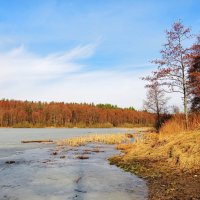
[
  {"x": 181, "y": 149},
  {"x": 95, "y": 138},
  {"x": 124, "y": 147},
  {"x": 177, "y": 124}
]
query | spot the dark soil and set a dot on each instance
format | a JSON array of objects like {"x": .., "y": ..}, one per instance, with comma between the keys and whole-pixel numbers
[{"x": 165, "y": 182}]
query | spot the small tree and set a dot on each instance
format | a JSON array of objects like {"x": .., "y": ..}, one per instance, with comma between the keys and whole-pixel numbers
[
  {"x": 155, "y": 102},
  {"x": 174, "y": 63}
]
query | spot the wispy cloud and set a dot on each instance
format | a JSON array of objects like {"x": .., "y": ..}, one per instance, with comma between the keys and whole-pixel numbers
[{"x": 21, "y": 65}]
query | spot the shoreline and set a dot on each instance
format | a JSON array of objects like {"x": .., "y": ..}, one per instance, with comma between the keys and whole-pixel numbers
[
  {"x": 137, "y": 129},
  {"x": 165, "y": 180}
]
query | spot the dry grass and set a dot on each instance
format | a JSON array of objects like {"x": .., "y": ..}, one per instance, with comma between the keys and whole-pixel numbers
[
  {"x": 181, "y": 150},
  {"x": 95, "y": 138},
  {"x": 124, "y": 147},
  {"x": 177, "y": 124}
]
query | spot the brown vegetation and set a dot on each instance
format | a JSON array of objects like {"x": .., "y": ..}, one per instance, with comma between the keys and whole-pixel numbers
[{"x": 37, "y": 114}]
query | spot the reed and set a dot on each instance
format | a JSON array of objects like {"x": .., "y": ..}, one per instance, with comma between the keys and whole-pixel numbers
[{"x": 95, "y": 138}]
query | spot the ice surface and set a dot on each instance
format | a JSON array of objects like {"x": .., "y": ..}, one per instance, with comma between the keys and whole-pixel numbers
[{"x": 40, "y": 175}]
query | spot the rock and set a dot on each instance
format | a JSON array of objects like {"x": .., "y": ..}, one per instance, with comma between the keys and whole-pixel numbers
[
  {"x": 82, "y": 191},
  {"x": 97, "y": 151},
  {"x": 82, "y": 157},
  {"x": 10, "y": 162},
  {"x": 62, "y": 157},
  {"x": 37, "y": 141}
]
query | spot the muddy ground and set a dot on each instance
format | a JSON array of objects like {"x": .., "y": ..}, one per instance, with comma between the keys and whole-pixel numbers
[{"x": 164, "y": 182}]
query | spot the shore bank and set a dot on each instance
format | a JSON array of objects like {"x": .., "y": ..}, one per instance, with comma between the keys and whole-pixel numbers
[
  {"x": 169, "y": 164},
  {"x": 163, "y": 182}
]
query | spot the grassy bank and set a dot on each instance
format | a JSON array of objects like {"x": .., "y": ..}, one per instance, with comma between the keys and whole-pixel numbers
[{"x": 169, "y": 162}]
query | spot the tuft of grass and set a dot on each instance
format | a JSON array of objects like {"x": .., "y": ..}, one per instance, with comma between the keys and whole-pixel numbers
[
  {"x": 95, "y": 138},
  {"x": 124, "y": 147}
]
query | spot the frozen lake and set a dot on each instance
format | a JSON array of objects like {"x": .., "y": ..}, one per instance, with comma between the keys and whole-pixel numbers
[
  {"x": 38, "y": 174},
  {"x": 10, "y": 138}
]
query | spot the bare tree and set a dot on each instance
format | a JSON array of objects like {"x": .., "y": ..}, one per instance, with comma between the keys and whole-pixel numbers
[
  {"x": 156, "y": 102},
  {"x": 174, "y": 63}
]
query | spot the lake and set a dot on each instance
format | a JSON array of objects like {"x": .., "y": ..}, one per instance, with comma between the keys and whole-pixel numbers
[{"x": 38, "y": 174}]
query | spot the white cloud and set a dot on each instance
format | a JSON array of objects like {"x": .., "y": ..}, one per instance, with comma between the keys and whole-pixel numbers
[
  {"x": 20, "y": 65},
  {"x": 28, "y": 76}
]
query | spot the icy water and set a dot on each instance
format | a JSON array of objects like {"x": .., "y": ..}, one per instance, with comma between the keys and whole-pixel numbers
[{"x": 39, "y": 174}]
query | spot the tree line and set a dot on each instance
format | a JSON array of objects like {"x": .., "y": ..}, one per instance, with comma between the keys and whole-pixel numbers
[
  {"x": 178, "y": 71},
  {"x": 42, "y": 114}
]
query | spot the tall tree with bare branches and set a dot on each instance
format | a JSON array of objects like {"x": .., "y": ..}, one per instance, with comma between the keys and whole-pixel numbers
[{"x": 174, "y": 63}]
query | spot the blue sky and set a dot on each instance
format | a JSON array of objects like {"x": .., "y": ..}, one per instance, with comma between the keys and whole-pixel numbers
[{"x": 85, "y": 50}]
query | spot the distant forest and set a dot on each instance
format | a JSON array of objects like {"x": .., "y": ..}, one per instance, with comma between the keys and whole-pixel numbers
[{"x": 41, "y": 114}]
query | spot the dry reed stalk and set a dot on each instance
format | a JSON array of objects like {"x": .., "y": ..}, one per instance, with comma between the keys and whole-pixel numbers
[{"x": 95, "y": 138}]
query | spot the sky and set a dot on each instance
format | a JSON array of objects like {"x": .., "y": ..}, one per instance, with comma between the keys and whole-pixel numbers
[{"x": 85, "y": 50}]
